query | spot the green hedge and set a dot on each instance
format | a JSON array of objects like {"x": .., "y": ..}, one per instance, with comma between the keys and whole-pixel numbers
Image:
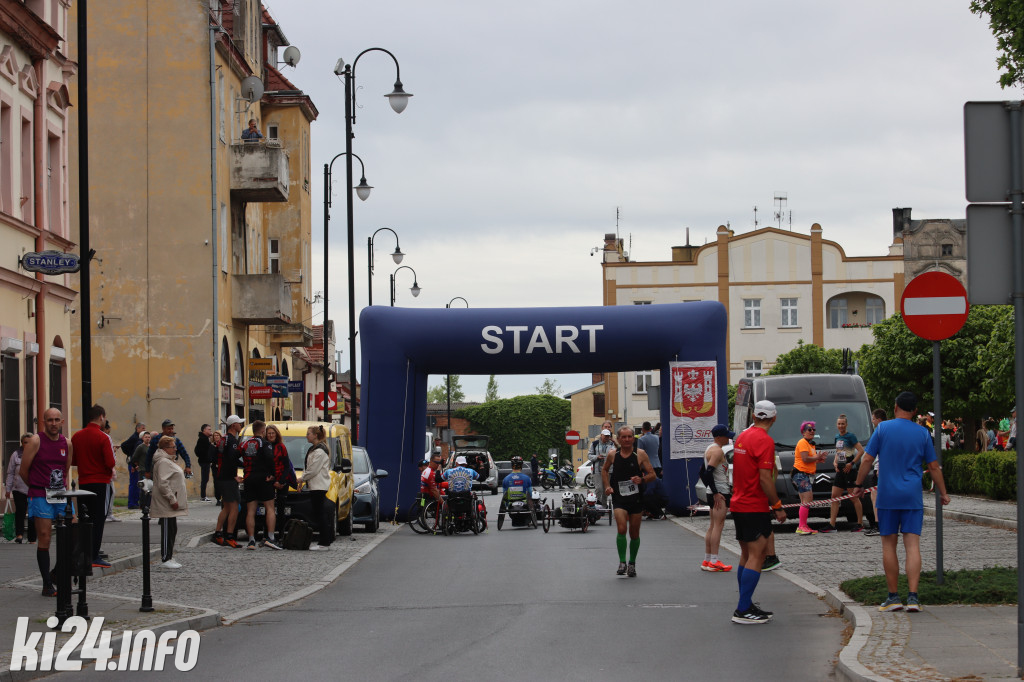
[{"x": 992, "y": 474}]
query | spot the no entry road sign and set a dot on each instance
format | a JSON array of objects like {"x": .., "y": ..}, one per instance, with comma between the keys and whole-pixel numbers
[
  {"x": 572, "y": 437},
  {"x": 934, "y": 305}
]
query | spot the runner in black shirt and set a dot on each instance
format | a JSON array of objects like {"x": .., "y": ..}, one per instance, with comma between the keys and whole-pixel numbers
[
  {"x": 622, "y": 476},
  {"x": 228, "y": 462}
]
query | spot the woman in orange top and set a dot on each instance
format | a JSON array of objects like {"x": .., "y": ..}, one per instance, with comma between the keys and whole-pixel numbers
[{"x": 805, "y": 461}]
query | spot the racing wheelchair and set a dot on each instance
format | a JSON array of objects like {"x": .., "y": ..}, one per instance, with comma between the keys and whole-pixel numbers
[
  {"x": 460, "y": 514},
  {"x": 515, "y": 504},
  {"x": 574, "y": 513}
]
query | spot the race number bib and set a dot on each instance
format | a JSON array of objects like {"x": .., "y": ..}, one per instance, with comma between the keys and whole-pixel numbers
[
  {"x": 841, "y": 451},
  {"x": 628, "y": 488},
  {"x": 516, "y": 489}
]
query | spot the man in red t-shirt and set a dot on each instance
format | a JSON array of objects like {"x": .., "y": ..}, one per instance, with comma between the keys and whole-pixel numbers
[
  {"x": 94, "y": 457},
  {"x": 753, "y": 494}
]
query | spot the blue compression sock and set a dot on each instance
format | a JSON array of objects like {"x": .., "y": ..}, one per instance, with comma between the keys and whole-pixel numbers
[
  {"x": 747, "y": 584},
  {"x": 739, "y": 575}
]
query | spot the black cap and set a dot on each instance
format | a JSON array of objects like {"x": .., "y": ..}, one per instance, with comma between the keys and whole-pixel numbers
[
  {"x": 722, "y": 430},
  {"x": 168, "y": 422},
  {"x": 906, "y": 401},
  {"x": 424, "y": 462}
]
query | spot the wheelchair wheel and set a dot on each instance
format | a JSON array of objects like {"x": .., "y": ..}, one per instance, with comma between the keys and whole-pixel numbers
[
  {"x": 413, "y": 517},
  {"x": 430, "y": 518},
  {"x": 447, "y": 522},
  {"x": 584, "y": 523},
  {"x": 545, "y": 519},
  {"x": 501, "y": 514}
]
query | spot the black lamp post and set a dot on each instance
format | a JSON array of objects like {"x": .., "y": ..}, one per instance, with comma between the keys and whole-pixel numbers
[
  {"x": 448, "y": 381},
  {"x": 399, "y": 99},
  {"x": 397, "y": 256},
  {"x": 363, "y": 192},
  {"x": 415, "y": 288}
]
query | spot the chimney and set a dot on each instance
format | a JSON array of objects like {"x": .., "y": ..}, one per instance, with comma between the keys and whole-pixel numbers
[
  {"x": 684, "y": 254},
  {"x": 900, "y": 222}
]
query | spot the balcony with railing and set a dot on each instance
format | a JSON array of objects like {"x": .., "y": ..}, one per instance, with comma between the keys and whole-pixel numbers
[
  {"x": 261, "y": 299},
  {"x": 259, "y": 170}
]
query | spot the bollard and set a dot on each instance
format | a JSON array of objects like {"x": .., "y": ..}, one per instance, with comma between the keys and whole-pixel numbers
[
  {"x": 70, "y": 556},
  {"x": 63, "y": 568},
  {"x": 145, "y": 496}
]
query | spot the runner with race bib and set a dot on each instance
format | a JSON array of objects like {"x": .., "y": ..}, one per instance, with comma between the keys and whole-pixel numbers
[{"x": 622, "y": 476}]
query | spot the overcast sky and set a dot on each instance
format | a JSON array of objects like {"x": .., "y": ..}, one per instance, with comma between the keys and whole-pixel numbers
[{"x": 533, "y": 122}]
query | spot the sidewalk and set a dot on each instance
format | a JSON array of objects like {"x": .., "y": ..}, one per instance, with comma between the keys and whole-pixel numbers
[
  {"x": 940, "y": 642},
  {"x": 213, "y": 587}
]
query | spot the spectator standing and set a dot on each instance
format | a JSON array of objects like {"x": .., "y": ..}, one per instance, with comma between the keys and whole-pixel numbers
[
  {"x": 216, "y": 446},
  {"x": 877, "y": 417},
  {"x": 108, "y": 506},
  {"x": 981, "y": 438},
  {"x": 227, "y": 474},
  {"x": 138, "y": 458},
  {"x": 46, "y": 466},
  {"x": 1011, "y": 444},
  {"x": 252, "y": 132},
  {"x": 534, "y": 470},
  {"x": 716, "y": 478},
  {"x": 903, "y": 450},
  {"x": 651, "y": 444},
  {"x": 600, "y": 448},
  {"x": 18, "y": 489},
  {"x": 202, "y": 453},
  {"x": 170, "y": 499},
  {"x": 805, "y": 462},
  {"x": 284, "y": 476},
  {"x": 316, "y": 478},
  {"x": 95, "y": 462},
  {"x": 179, "y": 447},
  {"x": 128, "y": 448}
]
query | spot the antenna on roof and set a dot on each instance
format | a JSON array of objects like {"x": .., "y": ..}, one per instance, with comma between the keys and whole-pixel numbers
[
  {"x": 755, "y": 217},
  {"x": 780, "y": 203}
]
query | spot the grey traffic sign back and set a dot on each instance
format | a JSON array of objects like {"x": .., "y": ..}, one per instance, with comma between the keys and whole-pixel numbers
[
  {"x": 989, "y": 256},
  {"x": 987, "y": 152}
]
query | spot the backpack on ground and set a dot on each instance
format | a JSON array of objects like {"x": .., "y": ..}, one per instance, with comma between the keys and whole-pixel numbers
[{"x": 297, "y": 534}]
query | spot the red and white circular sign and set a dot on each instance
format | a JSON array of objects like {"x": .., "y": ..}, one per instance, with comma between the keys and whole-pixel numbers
[
  {"x": 572, "y": 437},
  {"x": 934, "y": 305}
]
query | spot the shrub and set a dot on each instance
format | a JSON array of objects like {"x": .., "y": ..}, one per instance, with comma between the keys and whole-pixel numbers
[{"x": 996, "y": 474}]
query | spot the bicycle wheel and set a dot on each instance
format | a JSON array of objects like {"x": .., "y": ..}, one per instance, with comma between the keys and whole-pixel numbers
[
  {"x": 430, "y": 517},
  {"x": 447, "y": 522},
  {"x": 414, "y": 517},
  {"x": 585, "y": 523},
  {"x": 545, "y": 519}
]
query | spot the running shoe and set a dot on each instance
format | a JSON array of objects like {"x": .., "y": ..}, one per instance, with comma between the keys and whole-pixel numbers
[
  {"x": 857, "y": 529},
  {"x": 913, "y": 604},
  {"x": 218, "y": 540},
  {"x": 806, "y": 530},
  {"x": 100, "y": 563},
  {"x": 49, "y": 591},
  {"x": 318, "y": 548},
  {"x": 771, "y": 562},
  {"x": 871, "y": 532},
  {"x": 251, "y": 545},
  {"x": 719, "y": 567},
  {"x": 827, "y": 529},
  {"x": 231, "y": 542},
  {"x": 271, "y": 544},
  {"x": 170, "y": 563},
  {"x": 621, "y": 569},
  {"x": 752, "y": 616},
  {"x": 631, "y": 570},
  {"x": 704, "y": 565},
  {"x": 205, "y": 499},
  {"x": 767, "y": 614},
  {"x": 892, "y": 604}
]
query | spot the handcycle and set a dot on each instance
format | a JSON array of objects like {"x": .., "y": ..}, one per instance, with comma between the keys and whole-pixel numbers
[
  {"x": 573, "y": 514},
  {"x": 517, "y": 507}
]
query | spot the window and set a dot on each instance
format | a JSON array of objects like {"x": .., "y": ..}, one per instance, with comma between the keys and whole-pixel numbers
[
  {"x": 837, "y": 313},
  {"x": 56, "y": 385},
  {"x": 54, "y": 185},
  {"x": 272, "y": 131},
  {"x": 275, "y": 256},
  {"x": 6, "y": 155},
  {"x": 789, "y": 318},
  {"x": 28, "y": 203},
  {"x": 643, "y": 381},
  {"x": 752, "y": 368},
  {"x": 225, "y": 362},
  {"x": 599, "y": 405},
  {"x": 875, "y": 310},
  {"x": 641, "y": 302},
  {"x": 947, "y": 249},
  {"x": 30, "y": 394},
  {"x": 223, "y": 104},
  {"x": 237, "y": 377},
  {"x": 224, "y": 246},
  {"x": 11, "y": 407},
  {"x": 751, "y": 312}
]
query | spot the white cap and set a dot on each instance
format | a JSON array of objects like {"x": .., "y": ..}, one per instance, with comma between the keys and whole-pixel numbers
[
  {"x": 461, "y": 459},
  {"x": 234, "y": 419},
  {"x": 606, "y": 432},
  {"x": 764, "y": 409}
]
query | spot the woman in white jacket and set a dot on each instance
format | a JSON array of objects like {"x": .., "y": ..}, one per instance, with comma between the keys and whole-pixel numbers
[
  {"x": 170, "y": 499},
  {"x": 316, "y": 478}
]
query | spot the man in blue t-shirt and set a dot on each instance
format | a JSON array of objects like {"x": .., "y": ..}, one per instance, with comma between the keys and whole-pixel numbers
[
  {"x": 517, "y": 486},
  {"x": 460, "y": 478},
  {"x": 903, "y": 449}
]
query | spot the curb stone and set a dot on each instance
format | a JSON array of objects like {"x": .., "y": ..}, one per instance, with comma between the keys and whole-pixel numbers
[{"x": 848, "y": 667}]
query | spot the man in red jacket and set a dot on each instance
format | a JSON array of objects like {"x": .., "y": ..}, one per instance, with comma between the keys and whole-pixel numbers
[{"x": 94, "y": 456}]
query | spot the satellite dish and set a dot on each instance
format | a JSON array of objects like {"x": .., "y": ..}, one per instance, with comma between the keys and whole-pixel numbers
[
  {"x": 252, "y": 89},
  {"x": 292, "y": 56}
]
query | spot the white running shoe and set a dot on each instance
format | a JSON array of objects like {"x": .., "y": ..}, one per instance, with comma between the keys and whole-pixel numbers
[
  {"x": 170, "y": 564},
  {"x": 318, "y": 548}
]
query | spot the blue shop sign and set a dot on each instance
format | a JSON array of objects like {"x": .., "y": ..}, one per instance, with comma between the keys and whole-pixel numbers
[{"x": 51, "y": 262}]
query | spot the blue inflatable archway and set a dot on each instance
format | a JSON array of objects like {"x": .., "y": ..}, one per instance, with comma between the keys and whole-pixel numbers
[{"x": 402, "y": 346}]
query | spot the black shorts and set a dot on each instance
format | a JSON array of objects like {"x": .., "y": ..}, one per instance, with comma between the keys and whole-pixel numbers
[
  {"x": 258, "y": 491},
  {"x": 752, "y": 525},
  {"x": 633, "y": 504},
  {"x": 228, "y": 490},
  {"x": 845, "y": 480},
  {"x": 727, "y": 496}
]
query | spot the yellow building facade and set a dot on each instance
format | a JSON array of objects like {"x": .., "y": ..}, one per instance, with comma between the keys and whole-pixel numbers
[{"x": 202, "y": 238}]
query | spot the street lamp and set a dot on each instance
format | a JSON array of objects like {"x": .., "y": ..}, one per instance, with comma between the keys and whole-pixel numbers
[
  {"x": 397, "y": 256},
  {"x": 448, "y": 381},
  {"x": 399, "y": 99},
  {"x": 415, "y": 288},
  {"x": 363, "y": 192}
]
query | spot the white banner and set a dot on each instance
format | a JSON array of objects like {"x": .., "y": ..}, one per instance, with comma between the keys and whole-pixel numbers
[{"x": 694, "y": 407}]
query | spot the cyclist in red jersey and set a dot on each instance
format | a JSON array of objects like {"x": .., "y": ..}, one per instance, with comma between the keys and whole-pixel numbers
[{"x": 753, "y": 495}]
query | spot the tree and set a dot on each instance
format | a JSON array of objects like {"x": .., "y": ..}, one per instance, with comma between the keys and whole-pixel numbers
[
  {"x": 439, "y": 394},
  {"x": 523, "y": 425},
  {"x": 809, "y": 359},
  {"x": 1005, "y": 18},
  {"x": 549, "y": 387},
  {"x": 492, "y": 390},
  {"x": 997, "y": 357},
  {"x": 898, "y": 361}
]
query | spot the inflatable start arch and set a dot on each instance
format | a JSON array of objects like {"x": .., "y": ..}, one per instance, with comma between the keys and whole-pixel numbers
[{"x": 402, "y": 346}]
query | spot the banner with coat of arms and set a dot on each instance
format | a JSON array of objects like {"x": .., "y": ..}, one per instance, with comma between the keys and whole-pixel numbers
[{"x": 694, "y": 410}]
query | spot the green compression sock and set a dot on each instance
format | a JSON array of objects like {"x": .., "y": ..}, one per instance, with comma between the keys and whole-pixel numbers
[
  {"x": 620, "y": 544},
  {"x": 634, "y": 546}
]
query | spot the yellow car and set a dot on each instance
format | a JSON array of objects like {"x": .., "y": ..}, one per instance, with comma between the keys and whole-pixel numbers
[{"x": 339, "y": 443}]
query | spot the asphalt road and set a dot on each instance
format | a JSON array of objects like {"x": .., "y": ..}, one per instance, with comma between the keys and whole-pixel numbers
[{"x": 519, "y": 603}]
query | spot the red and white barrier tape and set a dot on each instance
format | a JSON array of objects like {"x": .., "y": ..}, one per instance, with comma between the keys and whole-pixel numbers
[{"x": 816, "y": 503}]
